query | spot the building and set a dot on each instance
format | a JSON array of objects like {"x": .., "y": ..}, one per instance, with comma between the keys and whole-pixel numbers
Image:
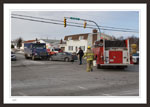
[
  {"x": 50, "y": 43},
  {"x": 62, "y": 45},
  {"x": 14, "y": 43},
  {"x": 73, "y": 42}
]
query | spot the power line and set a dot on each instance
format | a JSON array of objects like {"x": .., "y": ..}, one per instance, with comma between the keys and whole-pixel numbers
[
  {"x": 117, "y": 29},
  {"x": 36, "y": 17},
  {"x": 48, "y": 22},
  {"x": 35, "y": 20}
]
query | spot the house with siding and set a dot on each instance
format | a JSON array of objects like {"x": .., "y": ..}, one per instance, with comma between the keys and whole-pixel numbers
[{"x": 73, "y": 42}]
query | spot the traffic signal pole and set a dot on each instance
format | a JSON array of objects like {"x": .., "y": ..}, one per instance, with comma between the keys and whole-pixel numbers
[
  {"x": 96, "y": 25},
  {"x": 73, "y": 18}
]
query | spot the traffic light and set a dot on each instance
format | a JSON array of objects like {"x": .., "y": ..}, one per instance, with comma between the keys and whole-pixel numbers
[
  {"x": 65, "y": 22},
  {"x": 85, "y": 24}
]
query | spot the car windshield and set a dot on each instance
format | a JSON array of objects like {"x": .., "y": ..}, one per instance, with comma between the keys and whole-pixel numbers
[
  {"x": 39, "y": 46},
  {"x": 136, "y": 54},
  {"x": 56, "y": 49},
  {"x": 68, "y": 53}
]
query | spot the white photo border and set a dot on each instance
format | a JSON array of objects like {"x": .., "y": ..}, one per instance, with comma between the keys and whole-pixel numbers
[{"x": 141, "y": 99}]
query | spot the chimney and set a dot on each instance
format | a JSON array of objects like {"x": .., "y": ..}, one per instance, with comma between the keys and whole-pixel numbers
[
  {"x": 61, "y": 41},
  {"x": 94, "y": 36},
  {"x": 94, "y": 31}
]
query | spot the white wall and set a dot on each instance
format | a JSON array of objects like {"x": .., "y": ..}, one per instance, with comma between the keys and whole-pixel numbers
[
  {"x": 79, "y": 43},
  {"x": 41, "y": 41},
  {"x": 22, "y": 47},
  {"x": 62, "y": 45},
  {"x": 75, "y": 43},
  {"x": 90, "y": 39}
]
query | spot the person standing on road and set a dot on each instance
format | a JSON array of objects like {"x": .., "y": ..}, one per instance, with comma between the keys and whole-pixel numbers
[
  {"x": 90, "y": 57},
  {"x": 80, "y": 53}
]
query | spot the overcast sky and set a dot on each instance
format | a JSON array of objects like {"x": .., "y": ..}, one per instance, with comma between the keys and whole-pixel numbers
[{"x": 29, "y": 30}]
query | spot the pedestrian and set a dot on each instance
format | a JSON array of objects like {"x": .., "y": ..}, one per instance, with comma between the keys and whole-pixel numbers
[
  {"x": 80, "y": 53},
  {"x": 90, "y": 57}
]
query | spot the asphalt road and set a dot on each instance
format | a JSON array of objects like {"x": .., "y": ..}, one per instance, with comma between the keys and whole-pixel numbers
[{"x": 58, "y": 78}]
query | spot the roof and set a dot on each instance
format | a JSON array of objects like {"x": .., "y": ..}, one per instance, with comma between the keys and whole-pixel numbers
[
  {"x": 76, "y": 36},
  {"x": 106, "y": 35},
  {"x": 51, "y": 41},
  {"x": 29, "y": 41}
]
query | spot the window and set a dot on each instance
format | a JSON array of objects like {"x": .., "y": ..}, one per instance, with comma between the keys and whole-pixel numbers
[
  {"x": 83, "y": 48},
  {"x": 81, "y": 37},
  {"x": 69, "y": 38},
  {"x": 59, "y": 53},
  {"x": 70, "y": 48},
  {"x": 39, "y": 46},
  {"x": 57, "y": 49},
  {"x": 67, "y": 53}
]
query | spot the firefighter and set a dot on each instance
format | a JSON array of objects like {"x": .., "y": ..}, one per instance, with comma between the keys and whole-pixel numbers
[{"x": 90, "y": 57}]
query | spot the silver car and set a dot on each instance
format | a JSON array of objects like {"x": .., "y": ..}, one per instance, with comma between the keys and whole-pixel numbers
[{"x": 63, "y": 56}]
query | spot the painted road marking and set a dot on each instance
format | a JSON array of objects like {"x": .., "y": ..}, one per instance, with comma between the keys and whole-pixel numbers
[
  {"x": 106, "y": 94},
  {"x": 82, "y": 87}
]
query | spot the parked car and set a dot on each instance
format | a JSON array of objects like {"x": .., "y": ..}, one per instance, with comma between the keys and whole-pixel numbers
[
  {"x": 13, "y": 56},
  {"x": 135, "y": 58},
  {"x": 63, "y": 56}
]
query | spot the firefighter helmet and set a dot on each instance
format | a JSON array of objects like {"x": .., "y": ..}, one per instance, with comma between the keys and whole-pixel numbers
[{"x": 89, "y": 47}]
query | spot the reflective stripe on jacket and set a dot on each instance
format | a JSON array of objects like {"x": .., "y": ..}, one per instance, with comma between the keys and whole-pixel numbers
[{"x": 89, "y": 54}]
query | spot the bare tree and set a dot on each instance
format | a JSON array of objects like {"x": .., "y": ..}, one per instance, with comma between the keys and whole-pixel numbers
[
  {"x": 120, "y": 38},
  {"x": 113, "y": 37},
  {"x": 19, "y": 42},
  {"x": 134, "y": 40}
]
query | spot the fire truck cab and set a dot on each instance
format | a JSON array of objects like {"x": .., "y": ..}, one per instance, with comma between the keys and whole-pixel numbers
[{"x": 113, "y": 53}]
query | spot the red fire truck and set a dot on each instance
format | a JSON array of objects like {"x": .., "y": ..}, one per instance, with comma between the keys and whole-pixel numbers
[{"x": 114, "y": 53}]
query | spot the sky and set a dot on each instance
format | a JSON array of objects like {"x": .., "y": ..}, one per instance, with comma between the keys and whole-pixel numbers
[{"x": 29, "y": 30}]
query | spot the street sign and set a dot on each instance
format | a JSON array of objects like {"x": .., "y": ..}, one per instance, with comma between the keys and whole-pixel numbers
[{"x": 74, "y": 18}]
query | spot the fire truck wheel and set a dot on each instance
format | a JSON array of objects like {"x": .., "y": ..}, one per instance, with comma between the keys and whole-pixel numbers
[{"x": 98, "y": 66}]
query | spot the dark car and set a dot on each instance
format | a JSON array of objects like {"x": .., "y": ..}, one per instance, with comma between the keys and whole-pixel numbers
[
  {"x": 13, "y": 56},
  {"x": 63, "y": 56}
]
